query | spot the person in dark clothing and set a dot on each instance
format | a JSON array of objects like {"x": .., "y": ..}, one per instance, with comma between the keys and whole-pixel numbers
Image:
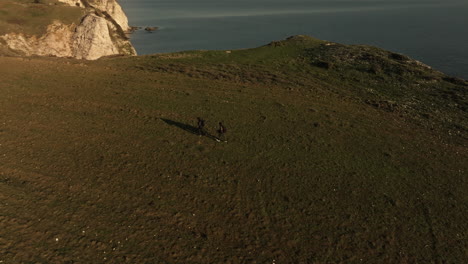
[
  {"x": 222, "y": 132},
  {"x": 201, "y": 126}
]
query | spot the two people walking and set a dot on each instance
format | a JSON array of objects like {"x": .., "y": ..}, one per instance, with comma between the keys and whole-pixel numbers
[{"x": 202, "y": 132}]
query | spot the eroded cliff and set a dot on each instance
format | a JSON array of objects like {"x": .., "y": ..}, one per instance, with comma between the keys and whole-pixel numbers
[{"x": 83, "y": 29}]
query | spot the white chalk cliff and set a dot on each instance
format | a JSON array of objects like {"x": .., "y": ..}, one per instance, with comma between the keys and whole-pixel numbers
[{"x": 101, "y": 32}]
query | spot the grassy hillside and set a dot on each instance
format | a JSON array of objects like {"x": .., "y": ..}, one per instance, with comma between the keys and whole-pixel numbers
[
  {"x": 30, "y": 18},
  {"x": 335, "y": 154}
]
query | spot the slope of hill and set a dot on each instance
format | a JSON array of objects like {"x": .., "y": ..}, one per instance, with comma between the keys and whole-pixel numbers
[{"x": 335, "y": 154}]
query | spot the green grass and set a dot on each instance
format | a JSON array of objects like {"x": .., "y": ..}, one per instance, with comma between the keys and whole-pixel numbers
[
  {"x": 33, "y": 19},
  {"x": 367, "y": 74},
  {"x": 311, "y": 173}
]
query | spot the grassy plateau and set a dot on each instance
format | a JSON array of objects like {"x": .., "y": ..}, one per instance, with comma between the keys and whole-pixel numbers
[{"x": 335, "y": 154}]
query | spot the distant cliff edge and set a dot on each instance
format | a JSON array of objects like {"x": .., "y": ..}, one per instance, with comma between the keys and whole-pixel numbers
[{"x": 82, "y": 29}]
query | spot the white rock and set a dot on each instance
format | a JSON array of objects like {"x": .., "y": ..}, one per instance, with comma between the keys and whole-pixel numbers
[
  {"x": 96, "y": 36},
  {"x": 56, "y": 42},
  {"x": 112, "y": 7},
  {"x": 92, "y": 39}
]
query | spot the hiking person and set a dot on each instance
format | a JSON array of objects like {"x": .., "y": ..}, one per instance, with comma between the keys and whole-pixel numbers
[
  {"x": 221, "y": 132},
  {"x": 201, "y": 126}
]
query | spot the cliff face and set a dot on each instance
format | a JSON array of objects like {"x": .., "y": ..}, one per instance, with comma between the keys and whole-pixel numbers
[
  {"x": 99, "y": 32},
  {"x": 96, "y": 37},
  {"x": 111, "y": 7}
]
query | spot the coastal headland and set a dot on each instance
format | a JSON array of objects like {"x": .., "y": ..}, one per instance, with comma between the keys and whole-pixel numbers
[{"x": 335, "y": 154}]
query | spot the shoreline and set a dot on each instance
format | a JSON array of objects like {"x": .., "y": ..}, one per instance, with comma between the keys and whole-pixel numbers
[{"x": 182, "y": 34}]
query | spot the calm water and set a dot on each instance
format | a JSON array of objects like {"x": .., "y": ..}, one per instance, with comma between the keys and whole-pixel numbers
[{"x": 432, "y": 31}]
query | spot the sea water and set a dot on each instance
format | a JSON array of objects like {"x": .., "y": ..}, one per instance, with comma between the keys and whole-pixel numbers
[{"x": 432, "y": 31}]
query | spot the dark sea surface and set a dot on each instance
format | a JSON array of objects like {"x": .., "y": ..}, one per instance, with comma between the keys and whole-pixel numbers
[{"x": 432, "y": 31}]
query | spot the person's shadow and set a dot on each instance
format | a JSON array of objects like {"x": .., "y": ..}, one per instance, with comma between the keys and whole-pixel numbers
[{"x": 188, "y": 128}]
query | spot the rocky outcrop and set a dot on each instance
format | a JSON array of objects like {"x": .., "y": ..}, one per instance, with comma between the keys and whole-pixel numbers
[
  {"x": 56, "y": 42},
  {"x": 93, "y": 39},
  {"x": 101, "y": 32},
  {"x": 111, "y": 7},
  {"x": 150, "y": 29},
  {"x": 97, "y": 37},
  {"x": 114, "y": 10}
]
